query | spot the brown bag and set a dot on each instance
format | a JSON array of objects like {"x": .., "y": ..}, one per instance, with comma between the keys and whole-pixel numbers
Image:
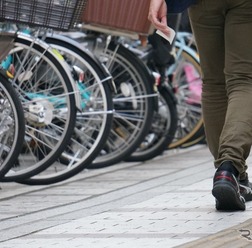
[{"x": 129, "y": 15}]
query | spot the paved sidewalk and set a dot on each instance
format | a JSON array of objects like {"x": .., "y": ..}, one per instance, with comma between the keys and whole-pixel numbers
[{"x": 162, "y": 203}]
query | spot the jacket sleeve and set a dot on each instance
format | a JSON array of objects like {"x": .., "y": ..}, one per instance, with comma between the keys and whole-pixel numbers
[{"x": 178, "y": 6}]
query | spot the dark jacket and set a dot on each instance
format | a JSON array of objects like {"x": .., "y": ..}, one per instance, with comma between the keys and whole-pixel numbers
[{"x": 177, "y": 6}]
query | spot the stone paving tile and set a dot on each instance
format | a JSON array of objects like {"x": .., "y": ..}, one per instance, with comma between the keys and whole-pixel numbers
[
  {"x": 236, "y": 236},
  {"x": 167, "y": 207},
  {"x": 95, "y": 243}
]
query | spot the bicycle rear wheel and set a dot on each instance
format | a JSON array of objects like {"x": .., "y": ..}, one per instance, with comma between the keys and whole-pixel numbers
[{"x": 12, "y": 125}]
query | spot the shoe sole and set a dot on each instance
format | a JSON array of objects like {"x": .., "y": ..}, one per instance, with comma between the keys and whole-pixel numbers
[{"x": 227, "y": 197}]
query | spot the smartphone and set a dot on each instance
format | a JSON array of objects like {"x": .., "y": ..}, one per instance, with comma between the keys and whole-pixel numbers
[{"x": 170, "y": 38}]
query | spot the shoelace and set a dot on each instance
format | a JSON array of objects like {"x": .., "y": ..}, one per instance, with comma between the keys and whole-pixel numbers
[{"x": 245, "y": 188}]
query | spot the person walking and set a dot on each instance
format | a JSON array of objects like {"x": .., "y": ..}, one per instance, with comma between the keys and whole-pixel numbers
[{"x": 222, "y": 31}]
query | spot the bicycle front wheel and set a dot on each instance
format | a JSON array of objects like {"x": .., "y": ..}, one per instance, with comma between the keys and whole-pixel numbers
[
  {"x": 45, "y": 89},
  {"x": 185, "y": 78},
  {"x": 133, "y": 101},
  {"x": 162, "y": 131},
  {"x": 93, "y": 121}
]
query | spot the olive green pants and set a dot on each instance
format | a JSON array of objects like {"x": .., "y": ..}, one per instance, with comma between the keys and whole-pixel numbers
[{"x": 223, "y": 33}]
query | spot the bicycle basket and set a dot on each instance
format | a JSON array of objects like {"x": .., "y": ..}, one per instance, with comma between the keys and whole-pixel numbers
[{"x": 55, "y": 14}]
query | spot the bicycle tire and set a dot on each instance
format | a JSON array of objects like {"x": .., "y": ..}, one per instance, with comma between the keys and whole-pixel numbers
[
  {"x": 42, "y": 81},
  {"x": 162, "y": 131},
  {"x": 134, "y": 103},
  {"x": 12, "y": 128},
  {"x": 90, "y": 135}
]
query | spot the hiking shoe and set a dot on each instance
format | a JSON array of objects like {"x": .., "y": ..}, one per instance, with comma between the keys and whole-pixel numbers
[
  {"x": 226, "y": 191},
  {"x": 246, "y": 189}
]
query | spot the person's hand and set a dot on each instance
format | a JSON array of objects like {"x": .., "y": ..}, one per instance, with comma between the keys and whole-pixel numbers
[{"x": 158, "y": 15}]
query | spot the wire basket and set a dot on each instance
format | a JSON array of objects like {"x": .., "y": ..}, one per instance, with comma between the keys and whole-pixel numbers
[{"x": 56, "y": 14}]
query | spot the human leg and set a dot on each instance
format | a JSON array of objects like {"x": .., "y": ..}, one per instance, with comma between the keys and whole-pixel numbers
[
  {"x": 208, "y": 30},
  {"x": 223, "y": 38},
  {"x": 225, "y": 97},
  {"x": 236, "y": 136}
]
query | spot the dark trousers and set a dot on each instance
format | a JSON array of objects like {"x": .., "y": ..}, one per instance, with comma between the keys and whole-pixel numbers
[{"x": 223, "y": 33}]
